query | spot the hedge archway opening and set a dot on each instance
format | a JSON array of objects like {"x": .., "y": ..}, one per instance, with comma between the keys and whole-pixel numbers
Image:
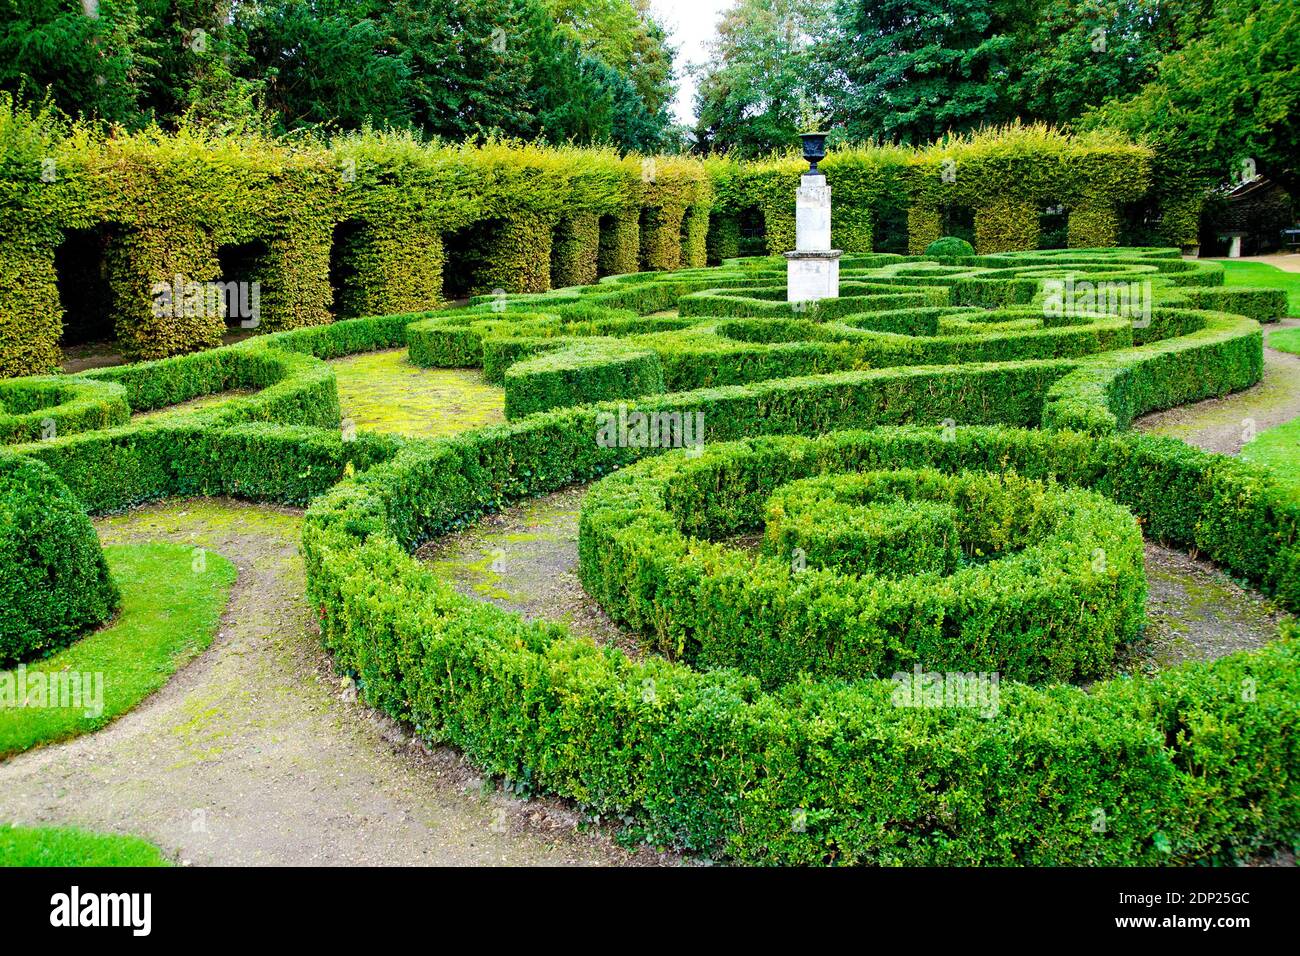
[
  {"x": 464, "y": 258},
  {"x": 753, "y": 232},
  {"x": 890, "y": 232},
  {"x": 84, "y": 292},
  {"x": 1053, "y": 225},
  {"x": 605, "y": 257},
  {"x": 241, "y": 266},
  {"x": 959, "y": 222},
  {"x": 344, "y": 275},
  {"x": 1140, "y": 223}
]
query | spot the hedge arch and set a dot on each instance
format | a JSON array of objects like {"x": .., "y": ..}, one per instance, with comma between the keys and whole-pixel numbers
[{"x": 520, "y": 213}]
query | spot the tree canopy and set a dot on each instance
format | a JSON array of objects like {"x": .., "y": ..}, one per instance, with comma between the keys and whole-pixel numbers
[{"x": 591, "y": 71}]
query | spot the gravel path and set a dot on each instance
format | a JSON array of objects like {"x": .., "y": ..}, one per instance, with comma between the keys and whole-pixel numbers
[
  {"x": 525, "y": 559},
  {"x": 255, "y": 754},
  {"x": 1223, "y": 425}
]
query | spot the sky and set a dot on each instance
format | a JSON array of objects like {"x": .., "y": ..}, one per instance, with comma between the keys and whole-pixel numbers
[{"x": 693, "y": 24}]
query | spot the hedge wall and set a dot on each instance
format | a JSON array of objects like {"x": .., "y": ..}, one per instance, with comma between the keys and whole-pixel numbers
[{"x": 373, "y": 223}]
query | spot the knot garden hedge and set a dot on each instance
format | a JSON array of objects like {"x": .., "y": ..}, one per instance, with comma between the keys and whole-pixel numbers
[
  {"x": 950, "y": 455},
  {"x": 377, "y": 223}
]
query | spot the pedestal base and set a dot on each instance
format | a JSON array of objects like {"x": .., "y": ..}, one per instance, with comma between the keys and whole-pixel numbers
[{"x": 812, "y": 275}]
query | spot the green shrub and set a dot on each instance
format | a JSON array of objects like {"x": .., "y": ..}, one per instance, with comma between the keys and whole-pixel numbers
[
  {"x": 54, "y": 581},
  {"x": 588, "y": 371},
  {"x": 33, "y": 409},
  {"x": 708, "y": 762},
  {"x": 1262, "y": 305},
  {"x": 949, "y": 247}
]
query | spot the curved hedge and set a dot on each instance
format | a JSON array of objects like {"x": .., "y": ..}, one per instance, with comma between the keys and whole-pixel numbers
[
  {"x": 733, "y": 327},
  {"x": 710, "y": 762},
  {"x": 1011, "y": 575},
  {"x": 1183, "y": 766},
  {"x": 33, "y": 409},
  {"x": 54, "y": 581}
]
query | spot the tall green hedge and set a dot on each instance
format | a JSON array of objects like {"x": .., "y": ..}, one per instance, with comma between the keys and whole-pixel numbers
[{"x": 371, "y": 223}]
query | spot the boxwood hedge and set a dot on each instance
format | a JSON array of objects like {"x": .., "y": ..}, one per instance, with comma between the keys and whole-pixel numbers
[
  {"x": 1051, "y": 580},
  {"x": 1184, "y": 766},
  {"x": 54, "y": 581}
]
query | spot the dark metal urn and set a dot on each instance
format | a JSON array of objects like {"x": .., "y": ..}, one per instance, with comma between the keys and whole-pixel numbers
[{"x": 814, "y": 150}]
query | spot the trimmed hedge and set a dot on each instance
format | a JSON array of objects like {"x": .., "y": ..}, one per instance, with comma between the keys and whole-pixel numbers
[
  {"x": 579, "y": 374},
  {"x": 1182, "y": 765},
  {"x": 949, "y": 247},
  {"x": 1032, "y": 599},
  {"x": 54, "y": 581},
  {"x": 1262, "y": 305},
  {"x": 708, "y": 762},
  {"x": 34, "y": 409},
  {"x": 371, "y": 222}
]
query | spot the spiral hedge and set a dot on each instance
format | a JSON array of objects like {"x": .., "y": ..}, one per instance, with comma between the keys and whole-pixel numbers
[
  {"x": 769, "y": 728},
  {"x": 961, "y": 572}
]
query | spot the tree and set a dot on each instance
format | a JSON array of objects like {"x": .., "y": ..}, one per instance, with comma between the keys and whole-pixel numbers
[
  {"x": 1078, "y": 54},
  {"x": 763, "y": 82},
  {"x": 325, "y": 62},
  {"x": 1228, "y": 100},
  {"x": 201, "y": 62},
  {"x": 90, "y": 65},
  {"x": 468, "y": 64},
  {"x": 624, "y": 35},
  {"x": 913, "y": 70}
]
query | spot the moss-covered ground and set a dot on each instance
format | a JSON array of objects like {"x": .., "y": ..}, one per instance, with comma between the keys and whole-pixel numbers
[{"x": 383, "y": 392}]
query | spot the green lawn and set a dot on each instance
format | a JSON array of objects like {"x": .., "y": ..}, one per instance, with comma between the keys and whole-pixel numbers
[
  {"x": 384, "y": 392},
  {"x": 1279, "y": 449},
  {"x": 1267, "y": 276},
  {"x": 1285, "y": 340},
  {"x": 171, "y": 607},
  {"x": 68, "y": 846}
]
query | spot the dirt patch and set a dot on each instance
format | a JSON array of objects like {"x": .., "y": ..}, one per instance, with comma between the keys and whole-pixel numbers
[
  {"x": 87, "y": 355},
  {"x": 257, "y": 754},
  {"x": 1224, "y": 425},
  {"x": 1196, "y": 612},
  {"x": 525, "y": 559}
]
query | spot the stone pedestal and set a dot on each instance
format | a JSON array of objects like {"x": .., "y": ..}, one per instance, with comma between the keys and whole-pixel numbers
[
  {"x": 811, "y": 275},
  {"x": 813, "y": 268}
]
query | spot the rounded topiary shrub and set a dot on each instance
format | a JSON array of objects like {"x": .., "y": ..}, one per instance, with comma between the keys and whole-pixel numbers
[
  {"x": 950, "y": 247},
  {"x": 54, "y": 582}
]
